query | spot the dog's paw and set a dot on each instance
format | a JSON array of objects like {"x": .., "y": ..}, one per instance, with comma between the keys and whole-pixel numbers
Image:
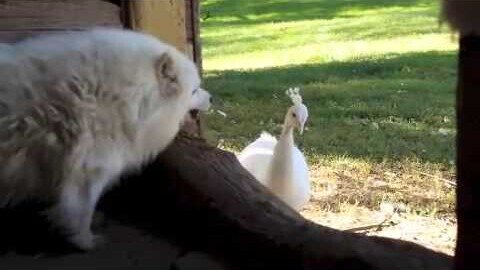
[{"x": 87, "y": 241}]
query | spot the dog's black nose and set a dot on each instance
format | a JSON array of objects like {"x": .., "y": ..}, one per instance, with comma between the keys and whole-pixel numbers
[{"x": 194, "y": 113}]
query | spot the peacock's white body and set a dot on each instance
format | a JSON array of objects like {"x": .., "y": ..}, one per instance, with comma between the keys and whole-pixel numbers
[{"x": 280, "y": 165}]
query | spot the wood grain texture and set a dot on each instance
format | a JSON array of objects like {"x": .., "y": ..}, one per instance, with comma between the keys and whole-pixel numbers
[
  {"x": 21, "y": 19},
  {"x": 164, "y": 19},
  {"x": 41, "y": 15}
]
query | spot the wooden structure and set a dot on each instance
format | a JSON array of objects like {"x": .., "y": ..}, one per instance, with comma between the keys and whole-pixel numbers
[
  {"x": 203, "y": 200},
  {"x": 176, "y": 22},
  {"x": 24, "y": 18},
  {"x": 463, "y": 16}
]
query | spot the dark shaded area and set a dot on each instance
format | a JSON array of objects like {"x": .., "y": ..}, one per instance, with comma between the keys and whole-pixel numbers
[
  {"x": 468, "y": 190},
  {"x": 419, "y": 65},
  {"x": 25, "y": 230},
  {"x": 116, "y": 2}
]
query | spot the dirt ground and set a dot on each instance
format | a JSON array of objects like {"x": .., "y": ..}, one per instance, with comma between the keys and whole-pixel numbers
[
  {"x": 434, "y": 233},
  {"x": 329, "y": 208}
]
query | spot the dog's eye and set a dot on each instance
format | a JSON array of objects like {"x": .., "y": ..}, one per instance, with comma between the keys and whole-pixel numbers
[
  {"x": 294, "y": 114},
  {"x": 195, "y": 91}
]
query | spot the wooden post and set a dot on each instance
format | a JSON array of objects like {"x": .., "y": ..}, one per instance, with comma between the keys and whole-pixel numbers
[
  {"x": 164, "y": 19},
  {"x": 463, "y": 17},
  {"x": 468, "y": 158},
  {"x": 175, "y": 22},
  {"x": 193, "y": 31}
]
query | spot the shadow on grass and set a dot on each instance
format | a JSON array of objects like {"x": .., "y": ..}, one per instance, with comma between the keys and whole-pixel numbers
[
  {"x": 243, "y": 12},
  {"x": 390, "y": 108},
  {"x": 424, "y": 66}
]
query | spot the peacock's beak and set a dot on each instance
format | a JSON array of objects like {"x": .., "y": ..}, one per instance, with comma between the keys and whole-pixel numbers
[{"x": 301, "y": 129}]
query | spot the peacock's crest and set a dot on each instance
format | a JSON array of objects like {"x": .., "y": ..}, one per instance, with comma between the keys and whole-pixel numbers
[{"x": 294, "y": 94}]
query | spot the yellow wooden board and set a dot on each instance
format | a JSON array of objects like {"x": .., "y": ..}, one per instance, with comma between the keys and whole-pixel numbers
[{"x": 164, "y": 19}]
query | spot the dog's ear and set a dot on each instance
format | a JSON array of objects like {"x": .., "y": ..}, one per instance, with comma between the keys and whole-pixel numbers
[{"x": 166, "y": 74}]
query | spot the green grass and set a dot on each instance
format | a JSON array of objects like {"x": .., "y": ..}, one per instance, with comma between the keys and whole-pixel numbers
[{"x": 378, "y": 78}]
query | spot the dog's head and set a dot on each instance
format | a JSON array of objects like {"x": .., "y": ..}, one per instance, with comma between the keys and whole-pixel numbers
[{"x": 178, "y": 78}]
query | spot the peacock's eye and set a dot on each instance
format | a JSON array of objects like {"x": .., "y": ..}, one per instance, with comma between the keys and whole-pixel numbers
[
  {"x": 294, "y": 114},
  {"x": 194, "y": 91}
]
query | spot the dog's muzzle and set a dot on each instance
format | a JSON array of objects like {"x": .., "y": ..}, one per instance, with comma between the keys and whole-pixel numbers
[{"x": 201, "y": 100}]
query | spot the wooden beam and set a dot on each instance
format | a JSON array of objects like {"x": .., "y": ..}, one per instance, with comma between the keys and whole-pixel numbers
[
  {"x": 23, "y": 18},
  {"x": 193, "y": 31},
  {"x": 164, "y": 19},
  {"x": 45, "y": 15}
]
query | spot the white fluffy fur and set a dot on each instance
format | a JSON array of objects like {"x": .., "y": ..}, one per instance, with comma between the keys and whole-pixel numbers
[{"x": 78, "y": 109}]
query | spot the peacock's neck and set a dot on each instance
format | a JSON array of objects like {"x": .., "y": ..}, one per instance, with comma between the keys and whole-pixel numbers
[
  {"x": 281, "y": 172},
  {"x": 286, "y": 138}
]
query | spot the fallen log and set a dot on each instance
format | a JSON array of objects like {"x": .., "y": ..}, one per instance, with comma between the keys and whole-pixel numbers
[
  {"x": 198, "y": 198},
  {"x": 204, "y": 198}
]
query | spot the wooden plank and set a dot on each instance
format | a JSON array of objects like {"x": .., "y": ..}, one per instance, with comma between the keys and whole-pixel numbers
[
  {"x": 38, "y": 15},
  {"x": 163, "y": 19},
  {"x": 189, "y": 28},
  {"x": 192, "y": 25},
  {"x": 14, "y": 36}
]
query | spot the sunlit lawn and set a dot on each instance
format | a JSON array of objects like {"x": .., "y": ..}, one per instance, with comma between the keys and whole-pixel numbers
[{"x": 377, "y": 76}]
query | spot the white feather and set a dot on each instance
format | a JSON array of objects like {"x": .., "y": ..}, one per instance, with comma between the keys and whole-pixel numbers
[
  {"x": 279, "y": 165},
  {"x": 257, "y": 156}
]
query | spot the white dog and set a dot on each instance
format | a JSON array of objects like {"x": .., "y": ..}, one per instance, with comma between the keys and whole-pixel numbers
[{"x": 78, "y": 109}]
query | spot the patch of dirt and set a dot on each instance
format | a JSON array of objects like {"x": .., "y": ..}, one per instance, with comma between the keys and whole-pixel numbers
[
  {"x": 410, "y": 206},
  {"x": 434, "y": 233}
]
